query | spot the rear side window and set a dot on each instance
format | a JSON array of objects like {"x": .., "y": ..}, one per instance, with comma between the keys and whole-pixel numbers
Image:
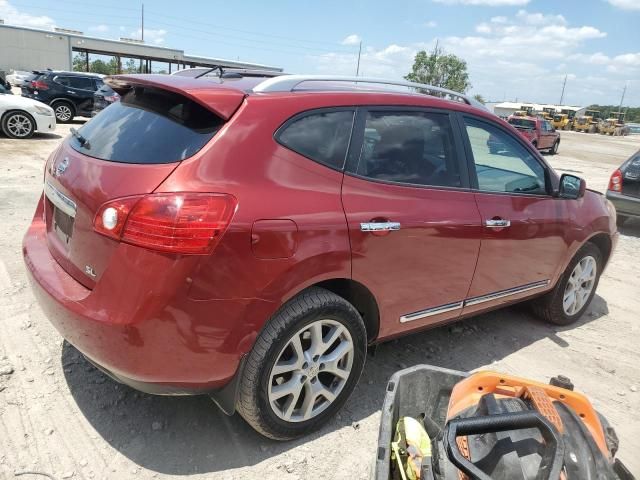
[
  {"x": 410, "y": 147},
  {"x": 320, "y": 136},
  {"x": 81, "y": 83},
  {"x": 148, "y": 126}
]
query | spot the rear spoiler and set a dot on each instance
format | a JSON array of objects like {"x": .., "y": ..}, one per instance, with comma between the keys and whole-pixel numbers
[{"x": 220, "y": 99}]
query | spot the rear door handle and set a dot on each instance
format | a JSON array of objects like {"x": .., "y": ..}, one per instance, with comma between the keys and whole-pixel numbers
[
  {"x": 497, "y": 223},
  {"x": 379, "y": 226}
]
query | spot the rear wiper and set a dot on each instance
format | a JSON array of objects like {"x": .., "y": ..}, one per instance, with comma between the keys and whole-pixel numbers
[{"x": 83, "y": 141}]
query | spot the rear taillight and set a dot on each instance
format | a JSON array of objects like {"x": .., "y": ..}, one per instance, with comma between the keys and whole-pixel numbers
[
  {"x": 615, "y": 183},
  {"x": 39, "y": 85},
  {"x": 189, "y": 223}
]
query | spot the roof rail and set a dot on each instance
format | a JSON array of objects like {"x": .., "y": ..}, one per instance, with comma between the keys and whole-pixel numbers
[{"x": 288, "y": 83}]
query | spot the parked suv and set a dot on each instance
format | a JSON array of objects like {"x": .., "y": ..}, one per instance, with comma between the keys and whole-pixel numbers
[
  {"x": 250, "y": 241},
  {"x": 538, "y": 131},
  {"x": 70, "y": 94}
]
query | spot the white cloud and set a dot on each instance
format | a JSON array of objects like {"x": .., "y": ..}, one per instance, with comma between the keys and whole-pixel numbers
[
  {"x": 352, "y": 39},
  {"x": 13, "y": 16},
  {"x": 626, "y": 4},
  {"x": 99, "y": 28},
  {"x": 540, "y": 18},
  {"x": 524, "y": 55},
  {"x": 150, "y": 35},
  {"x": 487, "y": 3},
  {"x": 431, "y": 24}
]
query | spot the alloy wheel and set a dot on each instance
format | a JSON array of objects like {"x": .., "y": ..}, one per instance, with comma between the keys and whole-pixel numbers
[
  {"x": 311, "y": 371},
  {"x": 63, "y": 113},
  {"x": 19, "y": 125},
  {"x": 580, "y": 285}
]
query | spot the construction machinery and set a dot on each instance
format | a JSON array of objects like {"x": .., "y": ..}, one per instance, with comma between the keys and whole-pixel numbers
[
  {"x": 564, "y": 119},
  {"x": 440, "y": 424},
  {"x": 547, "y": 113},
  {"x": 614, "y": 125},
  {"x": 589, "y": 122}
]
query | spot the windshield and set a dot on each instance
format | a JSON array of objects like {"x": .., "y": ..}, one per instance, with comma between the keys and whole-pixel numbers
[{"x": 148, "y": 126}]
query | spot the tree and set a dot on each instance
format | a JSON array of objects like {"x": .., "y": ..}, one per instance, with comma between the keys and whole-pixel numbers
[
  {"x": 79, "y": 63},
  {"x": 480, "y": 98},
  {"x": 131, "y": 66},
  {"x": 440, "y": 70}
]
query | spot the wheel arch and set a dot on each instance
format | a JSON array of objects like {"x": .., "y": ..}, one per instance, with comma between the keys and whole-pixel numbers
[{"x": 604, "y": 244}]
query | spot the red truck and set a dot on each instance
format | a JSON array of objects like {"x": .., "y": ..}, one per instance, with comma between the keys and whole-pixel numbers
[{"x": 538, "y": 131}]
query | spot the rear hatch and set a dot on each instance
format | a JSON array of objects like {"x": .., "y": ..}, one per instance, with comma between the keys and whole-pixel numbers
[
  {"x": 127, "y": 149},
  {"x": 631, "y": 177}
]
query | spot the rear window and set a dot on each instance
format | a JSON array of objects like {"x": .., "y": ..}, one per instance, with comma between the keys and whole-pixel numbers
[
  {"x": 522, "y": 123},
  {"x": 148, "y": 126}
]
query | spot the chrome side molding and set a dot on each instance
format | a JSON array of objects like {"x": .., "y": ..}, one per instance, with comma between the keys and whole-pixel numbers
[
  {"x": 505, "y": 293},
  {"x": 450, "y": 307}
]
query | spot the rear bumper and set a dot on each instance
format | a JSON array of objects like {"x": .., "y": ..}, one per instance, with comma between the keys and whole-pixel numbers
[
  {"x": 132, "y": 327},
  {"x": 625, "y": 205}
]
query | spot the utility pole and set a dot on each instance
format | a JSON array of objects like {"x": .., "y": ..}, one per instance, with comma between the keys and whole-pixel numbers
[
  {"x": 563, "y": 85},
  {"x": 359, "y": 53},
  {"x": 624, "y": 90},
  {"x": 142, "y": 22}
]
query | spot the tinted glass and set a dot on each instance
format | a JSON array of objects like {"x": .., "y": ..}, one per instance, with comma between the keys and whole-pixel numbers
[
  {"x": 502, "y": 163},
  {"x": 323, "y": 136},
  {"x": 148, "y": 126},
  {"x": 62, "y": 81},
  {"x": 82, "y": 83},
  {"x": 409, "y": 147},
  {"x": 2, "y": 89},
  {"x": 522, "y": 123}
]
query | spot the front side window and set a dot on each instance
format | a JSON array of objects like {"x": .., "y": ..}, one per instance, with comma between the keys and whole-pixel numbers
[
  {"x": 409, "y": 147},
  {"x": 321, "y": 136},
  {"x": 502, "y": 164}
]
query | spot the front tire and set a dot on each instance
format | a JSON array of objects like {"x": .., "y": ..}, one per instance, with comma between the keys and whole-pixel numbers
[
  {"x": 18, "y": 125},
  {"x": 574, "y": 291},
  {"x": 304, "y": 365}
]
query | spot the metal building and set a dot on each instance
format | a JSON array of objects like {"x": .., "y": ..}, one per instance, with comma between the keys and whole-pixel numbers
[
  {"x": 25, "y": 48},
  {"x": 505, "y": 109}
]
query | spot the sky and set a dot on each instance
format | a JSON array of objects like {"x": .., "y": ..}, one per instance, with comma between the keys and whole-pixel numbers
[{"x": 515, "y": 49}]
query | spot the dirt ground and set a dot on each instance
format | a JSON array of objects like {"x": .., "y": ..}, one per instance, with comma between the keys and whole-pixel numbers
[{"x": 60, "y": 416}]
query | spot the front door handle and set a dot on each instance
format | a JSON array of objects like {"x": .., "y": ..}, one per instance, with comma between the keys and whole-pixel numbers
[
  {"x": 379, "y": 226},
  {"x": 497, "y": 223}
]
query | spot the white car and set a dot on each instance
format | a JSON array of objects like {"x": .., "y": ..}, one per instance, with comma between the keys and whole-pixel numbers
[
  {"x": 20, "y": 117},
  {"x": 18, "y": 78}
]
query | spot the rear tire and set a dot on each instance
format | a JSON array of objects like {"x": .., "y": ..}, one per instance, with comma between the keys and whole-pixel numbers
[
  {"x": 287, "y": 354},
  {"x": 18, "y": 125},
  {"x": 554, "y": 149},
  {"x": 64, "y": 111},
  {"x": 556, "y": 306}
]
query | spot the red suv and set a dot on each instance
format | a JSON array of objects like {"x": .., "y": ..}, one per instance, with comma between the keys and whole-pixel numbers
[{"x": 249, "y": 240}]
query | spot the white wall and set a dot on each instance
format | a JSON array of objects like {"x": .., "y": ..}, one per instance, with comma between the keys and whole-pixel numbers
[{"x": 33, "y": 50}]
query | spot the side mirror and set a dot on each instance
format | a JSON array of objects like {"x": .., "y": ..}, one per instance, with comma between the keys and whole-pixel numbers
[{"x": 571, "y": 187}]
